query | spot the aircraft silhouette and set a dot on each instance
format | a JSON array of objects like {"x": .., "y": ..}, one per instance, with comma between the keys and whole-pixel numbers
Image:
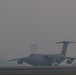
[{"x": 47, "y": 59}]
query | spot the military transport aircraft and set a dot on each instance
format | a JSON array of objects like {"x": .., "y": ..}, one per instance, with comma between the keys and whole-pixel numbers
[{"x": 47, "y": 59}]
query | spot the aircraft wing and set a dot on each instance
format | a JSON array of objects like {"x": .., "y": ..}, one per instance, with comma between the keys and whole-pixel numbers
[
  {"x": 17, "y": 59},
  {"x": 68, "y": 57},
  {"x": 59, "y": 56}
]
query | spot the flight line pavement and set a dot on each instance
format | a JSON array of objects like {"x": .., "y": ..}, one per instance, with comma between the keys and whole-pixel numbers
[{"x": 48, "y": 70}]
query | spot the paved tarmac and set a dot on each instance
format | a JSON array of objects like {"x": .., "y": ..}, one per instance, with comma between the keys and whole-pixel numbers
[{"x": 54, "y": 70}]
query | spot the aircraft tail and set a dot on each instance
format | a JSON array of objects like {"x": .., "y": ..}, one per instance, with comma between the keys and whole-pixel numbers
[{"x": 65, "y": 45}]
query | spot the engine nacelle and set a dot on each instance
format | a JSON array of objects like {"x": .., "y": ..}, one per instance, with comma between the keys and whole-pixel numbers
[
  {"x": 20, "y": 61},
  {"x": 69, "y": 61},
  {"x": 58, "y": 60}
]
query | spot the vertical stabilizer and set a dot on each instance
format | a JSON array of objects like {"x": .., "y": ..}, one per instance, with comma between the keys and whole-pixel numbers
[{"x": 65, "y": 45}]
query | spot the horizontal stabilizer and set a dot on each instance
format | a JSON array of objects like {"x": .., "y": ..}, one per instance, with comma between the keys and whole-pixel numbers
[{"x": 65, "y": 42}]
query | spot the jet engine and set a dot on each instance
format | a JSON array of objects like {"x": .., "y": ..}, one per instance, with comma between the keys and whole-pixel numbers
[
  {"x": 20, "y": 61},
  {"x": 69, "y": 61},
  {"x": 58, "y": 60}
]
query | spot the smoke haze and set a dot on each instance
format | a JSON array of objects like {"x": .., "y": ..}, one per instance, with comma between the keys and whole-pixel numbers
[{"x": 41, "y": 22}]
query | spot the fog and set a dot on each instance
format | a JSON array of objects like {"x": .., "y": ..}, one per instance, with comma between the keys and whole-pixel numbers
[{"x": 41, "y": 22}]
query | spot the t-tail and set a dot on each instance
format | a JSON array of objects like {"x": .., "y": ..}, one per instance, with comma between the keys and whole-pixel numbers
[{"x": 65, "y": 45}]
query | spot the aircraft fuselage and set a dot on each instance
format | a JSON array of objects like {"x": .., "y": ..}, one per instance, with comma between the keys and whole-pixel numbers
[{"x": 41, "y": 60}]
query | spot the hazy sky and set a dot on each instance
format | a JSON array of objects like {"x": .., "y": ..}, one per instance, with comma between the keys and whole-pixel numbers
[{"x": 41, "y": 22}]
